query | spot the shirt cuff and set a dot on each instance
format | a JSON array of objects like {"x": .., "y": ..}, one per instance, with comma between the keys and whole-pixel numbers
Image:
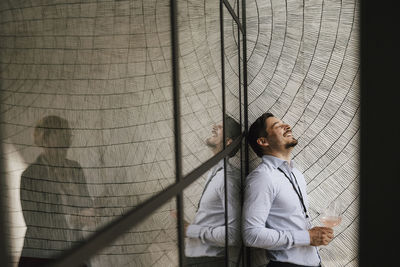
[
  {"x": 193, "y": 231},
  {"x": 301, "y": 238}
]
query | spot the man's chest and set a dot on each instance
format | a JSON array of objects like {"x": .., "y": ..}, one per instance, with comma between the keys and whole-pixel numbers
[{"x": 290, "y": 195}]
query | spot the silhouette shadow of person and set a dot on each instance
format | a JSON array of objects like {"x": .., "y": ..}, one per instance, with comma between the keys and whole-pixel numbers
[{"x": 55, "y": 200}]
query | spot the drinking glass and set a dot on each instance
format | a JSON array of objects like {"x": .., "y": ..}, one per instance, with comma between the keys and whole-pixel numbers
[{"x": 332, "y": 215}]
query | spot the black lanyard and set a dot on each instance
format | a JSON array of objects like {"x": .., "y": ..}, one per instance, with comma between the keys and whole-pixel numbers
[{"x": 298, "y": 192}]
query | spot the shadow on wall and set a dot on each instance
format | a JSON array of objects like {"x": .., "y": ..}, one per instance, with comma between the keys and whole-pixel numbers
[{"x": 55, "y": 201}]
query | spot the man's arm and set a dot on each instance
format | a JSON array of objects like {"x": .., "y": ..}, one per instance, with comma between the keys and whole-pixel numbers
[
  {"x": 234, "y": 211},
  {"x": 258, "y": 198},
  {"x": 207, "y": 234},
  {"x": 216, "y": 234}
]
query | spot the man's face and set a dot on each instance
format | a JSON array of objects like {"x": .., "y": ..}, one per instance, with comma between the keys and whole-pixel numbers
[
  {"x": 58, "y": 139},
  {"x": 215, "y": 141},
  {"x": 279, "y": 134}
]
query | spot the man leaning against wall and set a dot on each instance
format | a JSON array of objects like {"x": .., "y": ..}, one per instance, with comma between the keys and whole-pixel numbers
[{"x": 275, "y": 211}]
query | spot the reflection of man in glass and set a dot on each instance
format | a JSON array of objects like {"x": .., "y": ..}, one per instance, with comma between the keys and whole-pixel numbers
[
  {"x": 275, "y": 215},
  {"x": 205, "y": 240},
  {"x": 54, "y": 195}
]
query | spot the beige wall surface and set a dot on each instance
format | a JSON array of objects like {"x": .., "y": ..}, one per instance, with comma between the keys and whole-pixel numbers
[{"x": 105, "y": 66}]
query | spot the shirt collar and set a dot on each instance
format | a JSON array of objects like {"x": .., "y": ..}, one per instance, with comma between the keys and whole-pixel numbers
[
  {"x": 275, "y": 162},
  {"x": 219, "y": 166}
]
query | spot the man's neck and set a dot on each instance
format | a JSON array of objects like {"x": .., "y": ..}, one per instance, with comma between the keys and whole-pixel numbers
[
  {"x": 215, "y": 150},
  {"x": 54, "y": 156},
  {"x": 285, "y": 155}
]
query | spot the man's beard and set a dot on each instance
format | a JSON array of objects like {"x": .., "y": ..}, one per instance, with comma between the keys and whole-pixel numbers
[
  {"x": 210, "y": 144},
  {"x": 292, "y": 144}
]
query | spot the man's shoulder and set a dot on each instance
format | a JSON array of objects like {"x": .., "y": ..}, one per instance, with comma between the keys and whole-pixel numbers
[
  {"x": 263, "y": 169},
  {"x": 263, "y": 174},
  {"x": 37, "y": 168},
  {"x": 30, "y": 171},
  {"x": 72, "y": 163}
]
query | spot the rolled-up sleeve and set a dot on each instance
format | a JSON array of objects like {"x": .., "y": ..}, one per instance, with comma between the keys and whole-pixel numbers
[
  {"x": 258, "y": 198},
  {"x": 212, "y": 234}
]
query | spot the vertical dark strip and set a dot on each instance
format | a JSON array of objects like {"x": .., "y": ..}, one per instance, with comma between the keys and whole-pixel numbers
[
  {"x": 246, "y": 252},
  {"x": 240, "y": 72},
  {"x": 379, "y": 174},
  {"x": 177, "y": 126},
  {"x": 246, "y": 115},
  {"x": 181, "y": 227},
  {"x": 240, "y": 101},
  {"x": 221, "y": 24},
  {"x": 240, "y": 54},
  {"x": 5, "y": 258},
  {"x": 226, "y": 209}
]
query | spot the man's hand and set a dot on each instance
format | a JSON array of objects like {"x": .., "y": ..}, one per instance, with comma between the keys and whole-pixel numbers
[
  {"x": 185, "y": 227},
  {"x": 185, "y": 223},
  {"x": 320, "y": 236}
]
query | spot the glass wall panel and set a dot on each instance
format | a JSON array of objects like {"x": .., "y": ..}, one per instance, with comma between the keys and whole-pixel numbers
[
  {"x": 327, "y": 122},
  {"x": 241, "y": 153},
  {"x": 232, "y": 124},
  {"x": 200, "y": 78},
  {"x": 153, "y": 242},
  {"x": 87, "y": 116},
  {"x": 232, "y": 48},
  {"x": 206, "y": 209},
  {"x": 304, "y": 68}
]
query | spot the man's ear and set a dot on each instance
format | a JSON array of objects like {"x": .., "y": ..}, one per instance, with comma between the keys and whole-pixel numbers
[
  {"x": 228, "y": 141},
  {"x": 262, "y": 141}
]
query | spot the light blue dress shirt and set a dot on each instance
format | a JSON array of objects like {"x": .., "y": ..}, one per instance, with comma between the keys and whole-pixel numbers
[
  {"x": 273, "y": 216},
  {"x": 206, "y": 235}
]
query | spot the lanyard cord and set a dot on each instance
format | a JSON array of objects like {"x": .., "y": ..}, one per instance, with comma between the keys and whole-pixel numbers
[{"x": 298, "y": 192}]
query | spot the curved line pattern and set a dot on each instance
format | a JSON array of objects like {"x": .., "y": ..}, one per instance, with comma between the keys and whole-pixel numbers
[{"x": 105, "y": 67}]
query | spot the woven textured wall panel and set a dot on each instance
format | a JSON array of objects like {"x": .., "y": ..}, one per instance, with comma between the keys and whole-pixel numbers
[{"x": 105, "y": 67}]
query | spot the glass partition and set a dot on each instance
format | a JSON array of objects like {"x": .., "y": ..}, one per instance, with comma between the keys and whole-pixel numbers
[
  {"x": 233, "y": 127},
  {"x": 89, "y": 131},
  {"x": 200, "y": 79},
  {"x": 153, "y": 242},
  {"x": 87, "y": 120},
  {"x": 204, "y": 219}
]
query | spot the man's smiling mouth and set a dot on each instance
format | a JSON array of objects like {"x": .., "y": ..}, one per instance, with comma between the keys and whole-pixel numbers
[{"x": 288, "y": 134}]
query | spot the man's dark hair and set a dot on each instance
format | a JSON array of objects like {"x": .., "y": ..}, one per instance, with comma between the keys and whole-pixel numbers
[
  {"x": 232, "y": 130},
  {"x": 258, "y": 129},
  {"x": 52, "y": 124}
]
